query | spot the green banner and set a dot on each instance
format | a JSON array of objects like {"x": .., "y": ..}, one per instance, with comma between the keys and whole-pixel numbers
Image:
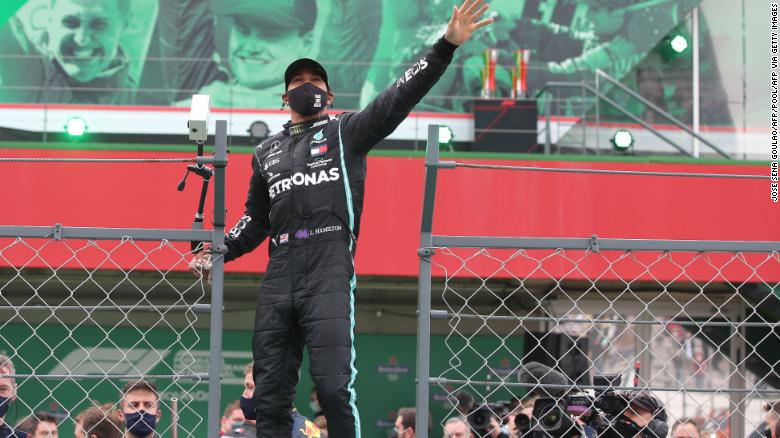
[
  {"x": 386, "y": 371},
  {"x": 152, "y": 52}
]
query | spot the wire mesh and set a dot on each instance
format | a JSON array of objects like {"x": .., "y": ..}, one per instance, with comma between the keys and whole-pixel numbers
[
  {"x": 689, "y": 338},
  {"x": 80, "y": 319}
]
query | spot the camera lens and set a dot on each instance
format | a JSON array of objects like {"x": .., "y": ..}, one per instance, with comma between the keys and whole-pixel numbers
[
  {"x": 551, "y": 420},
  {"x": 523, "y": 422}
]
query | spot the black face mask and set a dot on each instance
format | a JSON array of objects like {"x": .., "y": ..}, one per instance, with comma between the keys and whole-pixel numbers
[{"x": 307, "y": 99}]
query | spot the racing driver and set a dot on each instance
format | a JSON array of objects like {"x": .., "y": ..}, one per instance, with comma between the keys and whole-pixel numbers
[{"x": 306, "y": 195}]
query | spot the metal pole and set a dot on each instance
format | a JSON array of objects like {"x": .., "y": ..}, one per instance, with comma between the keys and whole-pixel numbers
[
  {"x": 174, "y": 418},
  {"x": 547, "y": 133},
  {"x": 598, "y": 116},
  {"x": 696, "y": 90},
  {"x": 737, "y": 350},
  {"x": 45, "y": 105},
  {"x": 217, "y": 279},
  {"x": 584, "y": 120},
  {"x": 424, "y": 284},
  {"x": 642, "y": 346}
]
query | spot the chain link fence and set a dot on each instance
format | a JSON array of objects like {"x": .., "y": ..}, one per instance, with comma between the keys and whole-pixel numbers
[
  {"x": 87, "y": 313},
  {"x": 599, "y": 337}
]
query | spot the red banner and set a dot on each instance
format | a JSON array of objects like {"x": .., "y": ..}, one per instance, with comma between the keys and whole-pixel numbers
[{"x": 469, "y": 202}]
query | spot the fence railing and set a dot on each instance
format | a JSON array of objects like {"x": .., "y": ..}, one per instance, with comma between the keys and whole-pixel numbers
[
  {"x": 690, "y": 328},
  {"x": 84, "y": 310}
]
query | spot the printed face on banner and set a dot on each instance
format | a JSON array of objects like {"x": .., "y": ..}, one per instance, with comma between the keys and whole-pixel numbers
[
  {"x": 260, "y": 52},
  {"x": 84, "y": 35}
]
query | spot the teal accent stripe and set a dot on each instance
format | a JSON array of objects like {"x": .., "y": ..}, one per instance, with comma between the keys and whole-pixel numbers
[
  {"x": 346, "y": 188},
  {"x": 352, "y": 287}
]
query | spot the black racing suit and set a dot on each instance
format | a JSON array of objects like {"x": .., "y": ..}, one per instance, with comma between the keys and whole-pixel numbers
[{"x": 306, "y": 194}]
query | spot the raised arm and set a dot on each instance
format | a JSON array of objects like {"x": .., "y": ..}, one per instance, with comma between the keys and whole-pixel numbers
[
  {"x": 380, "y": 118},
  {"x": 254, "y": 225}
]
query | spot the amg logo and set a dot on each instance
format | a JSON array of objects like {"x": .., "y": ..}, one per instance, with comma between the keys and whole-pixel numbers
[
  {"x": 303, "y": 179},
  {"x": 418, "y": 66}
]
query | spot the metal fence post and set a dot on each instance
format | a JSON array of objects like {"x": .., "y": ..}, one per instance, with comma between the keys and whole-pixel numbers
[
  {"x": 217, "y": 280},
  {"x": 547, "y": 134},
  {"x": 424, "y": 287},
  {"x": 737, "y": 357}
]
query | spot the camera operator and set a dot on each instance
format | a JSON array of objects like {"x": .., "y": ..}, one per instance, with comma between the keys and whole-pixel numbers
[
  {"x": 521, "y": 415},
  {"x": 644, "y": 417},
  {"x": 485, "y": 421}
]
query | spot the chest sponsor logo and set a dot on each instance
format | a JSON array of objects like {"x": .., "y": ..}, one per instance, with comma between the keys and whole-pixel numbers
[
  {"x": 303, "y": 179},
  {"x": 417, "y": 67},
  {"x": 269, "y": 163},
  {"x": 316, "y": 151},
  {"x": 321, "y": 162},
  {"x": 275, "y": 153},
  {"x": 272, "y": 176},
  {"x": 319, "y": 137}
]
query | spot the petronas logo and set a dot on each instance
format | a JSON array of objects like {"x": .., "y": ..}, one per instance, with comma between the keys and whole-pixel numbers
[{"x": 319, "y": 135}]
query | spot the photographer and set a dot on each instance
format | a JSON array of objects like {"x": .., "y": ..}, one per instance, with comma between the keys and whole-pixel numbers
[
  {"x": 485, "y": 421},
  {"x": 563, "y": 411},
  {"x": 644, "y": 417}
]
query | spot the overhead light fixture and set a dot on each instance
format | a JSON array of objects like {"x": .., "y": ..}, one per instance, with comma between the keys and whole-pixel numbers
[
  {"x": 445, "y": 136},
  {"x": 622, "y": 140},
  {"x": 75, "y": 127},
  {"x": 679, "y": 43}
]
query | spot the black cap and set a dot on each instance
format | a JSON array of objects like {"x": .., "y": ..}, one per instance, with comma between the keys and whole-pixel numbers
[{"x": 311, "y": 64}]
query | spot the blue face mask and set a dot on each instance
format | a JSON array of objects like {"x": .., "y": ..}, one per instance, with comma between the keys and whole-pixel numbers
[
  {"x": 5, "y": 403},
  {"x": 140, "y": 423},
  {"x": 248, "y": 408}
]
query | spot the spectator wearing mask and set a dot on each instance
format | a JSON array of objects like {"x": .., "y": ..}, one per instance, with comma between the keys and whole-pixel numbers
[
  {"x": 405, "y": 423},
  {"x": 40, "y": 425},
  {"x": 7, "y": 397},
  {"x": 233, "y": 415},
  {"x": 140, "y": 409},
  {"x": 302, "y": 426}
]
